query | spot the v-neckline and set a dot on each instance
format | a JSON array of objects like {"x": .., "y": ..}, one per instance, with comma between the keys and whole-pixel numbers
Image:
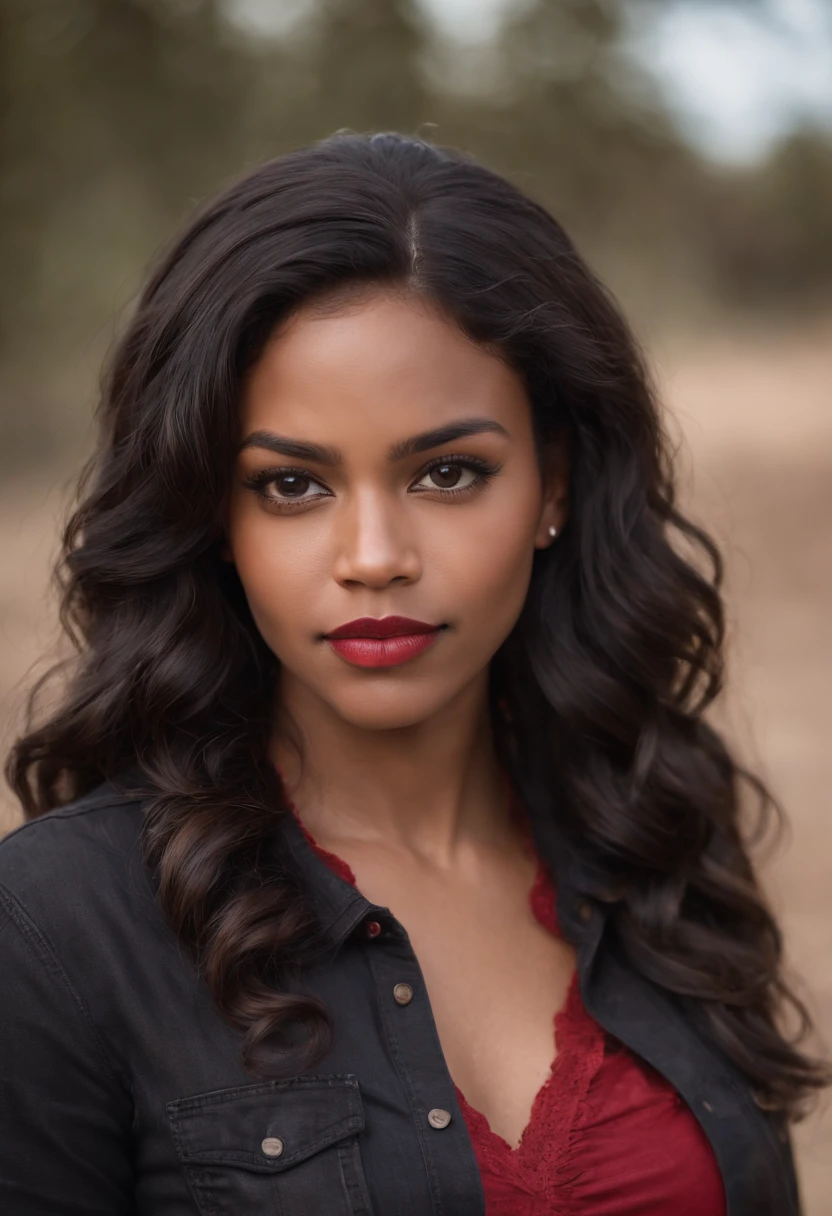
[
  {"x": 566, "y": 1021},
  {"x": 569, "y": 1011}
]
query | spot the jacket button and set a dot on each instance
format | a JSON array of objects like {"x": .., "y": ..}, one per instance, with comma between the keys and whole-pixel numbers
[
  {"x": 372, "y": 928},
  {"x": 272, "y": 1146},
  {"x": 438, "y": 1117},
  {"x": 402, "y": 994},
  {"x": 585, "y": 909}
]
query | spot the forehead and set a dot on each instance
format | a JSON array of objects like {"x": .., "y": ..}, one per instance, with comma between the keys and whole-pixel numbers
[{"x": 380, "y": 366}]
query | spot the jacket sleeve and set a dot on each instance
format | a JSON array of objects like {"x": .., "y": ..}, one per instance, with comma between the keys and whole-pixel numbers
[{"x": 65, "y": 1116}]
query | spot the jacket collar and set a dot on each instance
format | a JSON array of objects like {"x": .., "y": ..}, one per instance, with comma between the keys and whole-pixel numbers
[
  {"x": 581, "y": 904},
  {"x": 341, "y": 907}
]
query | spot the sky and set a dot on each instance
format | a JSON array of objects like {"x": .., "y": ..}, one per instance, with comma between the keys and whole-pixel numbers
[
  {"x": 737, "y": 78},
  {"x": 739, "y": 81},
  {"x": 738, "y": 73}
]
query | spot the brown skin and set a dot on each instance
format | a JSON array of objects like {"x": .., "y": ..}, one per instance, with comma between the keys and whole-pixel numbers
[{"x": 399, "y": 775}]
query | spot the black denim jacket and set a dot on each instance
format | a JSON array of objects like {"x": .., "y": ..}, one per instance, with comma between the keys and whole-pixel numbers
[{"x": 122, "y": 1091}]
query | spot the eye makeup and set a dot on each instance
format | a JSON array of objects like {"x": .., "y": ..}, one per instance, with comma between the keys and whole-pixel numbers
[{"x": 260, "y": 481}]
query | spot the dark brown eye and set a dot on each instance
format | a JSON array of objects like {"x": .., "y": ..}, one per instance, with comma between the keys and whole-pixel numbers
[
  {"x": 292, "y": 485},
  {"x": 286, "y": 488},
  {"x": 445, "y": 476},
  {"x": 457, "y": 475}
]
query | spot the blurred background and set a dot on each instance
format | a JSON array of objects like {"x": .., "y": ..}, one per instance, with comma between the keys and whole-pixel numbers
[{"x": 686, "y": 145}]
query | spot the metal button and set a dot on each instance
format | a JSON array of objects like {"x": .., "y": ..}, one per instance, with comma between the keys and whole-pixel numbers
[
  {"x": 272, "y": 1146},
  {"x": 402, "y": 994},
  {"x": 438, "y": 1117},
  {"x": 372, "y": 928},
  {"x": 585, "y": 909},
  {"x": 708, "y": 1107}
]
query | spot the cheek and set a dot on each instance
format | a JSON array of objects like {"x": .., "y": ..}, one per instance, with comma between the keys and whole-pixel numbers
[
  {"x": 487, "y": 568},
  {"x": 492, "y": 578},
  {"x": 279, "y": 573}
]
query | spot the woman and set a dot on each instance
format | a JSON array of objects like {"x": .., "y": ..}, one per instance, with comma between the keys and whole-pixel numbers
[{"x": 385, "y": 748}]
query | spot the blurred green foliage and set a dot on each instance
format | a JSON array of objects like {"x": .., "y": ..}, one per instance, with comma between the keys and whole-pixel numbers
[{"x": 116, "y": 116}]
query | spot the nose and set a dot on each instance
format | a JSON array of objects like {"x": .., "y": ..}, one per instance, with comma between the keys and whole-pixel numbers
[{"x": 374, "y": 545}]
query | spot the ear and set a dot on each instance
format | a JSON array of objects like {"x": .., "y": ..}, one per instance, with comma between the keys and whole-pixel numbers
[{"x": 554, "y": 507}]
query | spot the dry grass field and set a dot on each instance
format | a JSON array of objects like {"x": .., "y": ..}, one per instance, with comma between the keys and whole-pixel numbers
[{"x": 756, "y": 415}]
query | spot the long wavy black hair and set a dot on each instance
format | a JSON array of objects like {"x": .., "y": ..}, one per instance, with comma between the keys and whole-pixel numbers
[{"x": 600, "y": 689}]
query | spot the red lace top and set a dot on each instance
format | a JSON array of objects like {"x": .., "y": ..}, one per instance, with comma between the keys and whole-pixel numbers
[{"x": 607, "y": 1135}]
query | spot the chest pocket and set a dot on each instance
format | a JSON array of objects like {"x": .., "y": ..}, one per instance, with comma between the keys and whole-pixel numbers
[{"x": 281, "y": 1148}]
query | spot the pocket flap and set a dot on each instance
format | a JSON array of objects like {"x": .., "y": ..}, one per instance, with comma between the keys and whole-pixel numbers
[{"x": 293, "y": 1119}]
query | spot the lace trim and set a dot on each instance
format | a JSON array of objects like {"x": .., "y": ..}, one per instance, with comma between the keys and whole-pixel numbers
[
  {"x": 540, "y": 1163},
  {"x": 336, "y": 863},
  {"x": 546, "y": 1166}
]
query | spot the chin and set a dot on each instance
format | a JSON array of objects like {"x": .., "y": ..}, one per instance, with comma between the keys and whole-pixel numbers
[{"x": 391, "y": 707}]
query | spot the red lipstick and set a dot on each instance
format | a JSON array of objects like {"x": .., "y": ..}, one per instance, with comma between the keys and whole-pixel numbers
[{"x": 382, "y": 641}]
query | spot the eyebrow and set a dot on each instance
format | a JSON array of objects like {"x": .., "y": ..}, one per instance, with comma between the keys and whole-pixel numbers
[{"x": 322, "y": 454}]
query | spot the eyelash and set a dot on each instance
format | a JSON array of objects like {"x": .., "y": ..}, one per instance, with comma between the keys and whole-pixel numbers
[{"x": 484, "y": 468}]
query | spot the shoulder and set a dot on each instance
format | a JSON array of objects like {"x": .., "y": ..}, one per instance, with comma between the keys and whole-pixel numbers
[{"x": 80, "y": 856}]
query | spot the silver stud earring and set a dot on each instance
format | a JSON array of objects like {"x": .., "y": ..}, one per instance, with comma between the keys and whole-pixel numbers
[{"x": 553, "y": 531}]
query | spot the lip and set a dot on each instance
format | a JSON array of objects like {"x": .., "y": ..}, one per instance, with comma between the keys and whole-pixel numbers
[
  {"x": 382, "y": 642},
  {"x": 381, "y": 627}
]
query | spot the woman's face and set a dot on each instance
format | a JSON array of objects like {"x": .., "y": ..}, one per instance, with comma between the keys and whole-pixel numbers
[{"x": 386, "y": 468}]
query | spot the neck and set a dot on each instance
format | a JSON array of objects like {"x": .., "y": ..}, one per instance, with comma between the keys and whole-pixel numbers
[{"x": 429, "y": 788}]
